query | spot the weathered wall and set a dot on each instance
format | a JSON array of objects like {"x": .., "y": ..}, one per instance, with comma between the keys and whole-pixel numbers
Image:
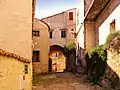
[
  {"x": 60, "y": 21},
  {"x": 56, "y": 23},
  {"x": 89, "y": 36},
  {"x": 92, "y": 37},
  {"x": 87, "y": 4},
  {"x": 41, "y": 44},
  {"x": 16, "y": 37},
  {"x": 16, "y": 26},
  {"x": 112, "y": 72},
  {"x": 71, "y": 24},
  {"x": 10, "y": 71},
  {"x": 114, "y": 62}
]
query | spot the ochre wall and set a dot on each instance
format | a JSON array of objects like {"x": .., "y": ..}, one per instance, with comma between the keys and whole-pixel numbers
[
  {"x": 16, "y": 37},
  {"x": 41, "y": 44},
  {"x": 16, "y": 26},
  {"x": 10, "y": 71}
]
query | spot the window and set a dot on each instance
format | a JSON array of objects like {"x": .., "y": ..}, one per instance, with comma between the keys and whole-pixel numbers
[
  {"x": 63, "y": 34},
  {"x": 35, "y": 57},
  {"x": 35, "y": 33},
  {"x": 26, "y": 69},
  {"x": 50, "y": 34},
  {"x": 112, "y": 26},
  {"x": 70, "y": 15}
]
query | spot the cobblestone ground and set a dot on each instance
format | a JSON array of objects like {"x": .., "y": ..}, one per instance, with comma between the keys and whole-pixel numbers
[{"x": 63, "y": 81}]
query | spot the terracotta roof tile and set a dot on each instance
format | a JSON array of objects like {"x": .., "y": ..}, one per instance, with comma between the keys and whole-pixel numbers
[{"x": 13, "y": 55}]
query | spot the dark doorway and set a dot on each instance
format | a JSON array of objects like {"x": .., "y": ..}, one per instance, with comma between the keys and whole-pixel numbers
[{"x": 50, "y": 65}]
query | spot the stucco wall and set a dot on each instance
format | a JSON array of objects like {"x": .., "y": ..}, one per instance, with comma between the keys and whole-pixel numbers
[
  {"x": 60, "y": 21},
  {"x": 96, "y": 33},
  {"x": 105, "y": 27},
  {"x": 41, "y": 44},
  {"x": 10, "y": 71},
  {"x": 16, "y": 26},
  {"x": 16, "y": 37}
]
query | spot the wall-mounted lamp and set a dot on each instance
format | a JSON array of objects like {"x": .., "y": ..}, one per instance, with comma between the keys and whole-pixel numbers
[
  {"x": 33, "y": 45},
  {"x": 73, "y": 32}
]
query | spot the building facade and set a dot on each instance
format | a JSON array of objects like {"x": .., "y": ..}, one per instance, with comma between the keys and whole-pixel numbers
[
  {"x": 16, "y": 45},
  {"x": 97, "y": 21},
  {"x": 41, "y": 46},
  {"x": 61, "y": 27},
  {"x": 62, "y": 31}
]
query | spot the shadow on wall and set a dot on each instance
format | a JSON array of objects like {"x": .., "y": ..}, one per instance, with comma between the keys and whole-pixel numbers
[
  {"x": 101, "y": 66},
  {"x": 80, "y": 64},
  {"x": 99, "y": 70},
  {"x": 70, "y": 60}
]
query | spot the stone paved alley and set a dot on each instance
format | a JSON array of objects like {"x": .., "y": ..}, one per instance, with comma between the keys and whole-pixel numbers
[{"x": 63, "y": 81}]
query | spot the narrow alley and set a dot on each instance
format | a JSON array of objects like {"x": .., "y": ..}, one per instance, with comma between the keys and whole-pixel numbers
[{"x": 63, "y": 81}]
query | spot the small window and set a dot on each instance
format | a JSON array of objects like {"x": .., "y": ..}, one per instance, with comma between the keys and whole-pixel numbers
[
  {"x": 35, "y": 33},
  {"x": 63, "y": 34},
  {"x": 26, "y": 69},
  {"x": 112, "y": 26},
  {"x": 35, "y": 57},
  {"x": 50, "y": 34},
  {"x": 70, "y": 15}
]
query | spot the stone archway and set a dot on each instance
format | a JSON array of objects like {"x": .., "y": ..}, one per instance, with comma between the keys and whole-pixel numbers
[{"x": 57, "y": 59}]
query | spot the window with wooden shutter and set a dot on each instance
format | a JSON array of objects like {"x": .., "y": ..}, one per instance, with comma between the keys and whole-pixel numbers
[
  {"x": 63, "y": 34},
  {"x": 50, "y": 34},
  {"x": 35, "y": 33},
  {"x": 112, "y": 26},
  {"x": 35, "y": 57},
  {"x": 70, "y": 15}
]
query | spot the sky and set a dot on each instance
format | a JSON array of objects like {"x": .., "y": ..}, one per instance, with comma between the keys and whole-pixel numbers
[{"x": 46, "y": 8}]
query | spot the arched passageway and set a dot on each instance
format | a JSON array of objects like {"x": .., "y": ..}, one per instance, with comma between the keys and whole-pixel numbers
[{"x": 57, "y": 59}]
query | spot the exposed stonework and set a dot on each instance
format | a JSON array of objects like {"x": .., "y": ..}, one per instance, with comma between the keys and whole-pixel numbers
[
  {"x": 114, "y": 62},
  {"x": 60, "y": 22},
  {"x": 13, "y": 55},
  {"x": 112, "y": 73}
]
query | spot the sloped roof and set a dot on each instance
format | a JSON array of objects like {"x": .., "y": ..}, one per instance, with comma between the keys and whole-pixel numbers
[{"x": 58, "y": 14}]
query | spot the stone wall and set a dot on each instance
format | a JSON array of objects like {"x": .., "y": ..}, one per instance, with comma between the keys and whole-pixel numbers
[
  {"x": 114, "y": 62},
  {"x": 112, "y": 72},
  {"x": 58, "y": 22},
  {"x": 39, "y": 68}
]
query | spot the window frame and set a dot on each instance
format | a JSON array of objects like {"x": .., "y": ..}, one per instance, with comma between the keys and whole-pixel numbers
[
  {"x": 63, "y": 33},
  {"x": 36, "y": 33},
  {"x": 37, "y": 56},
  {"x": 51, "y": 36},
  {"x": 70, "y": 15}
]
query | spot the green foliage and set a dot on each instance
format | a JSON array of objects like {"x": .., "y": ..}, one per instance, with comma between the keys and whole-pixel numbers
[
  {"x": 96, "y": 61},
  {"x": 110, "y": 38},
  {"x": 69, "y": 46},
  {"x": 100, "y": 50}
]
